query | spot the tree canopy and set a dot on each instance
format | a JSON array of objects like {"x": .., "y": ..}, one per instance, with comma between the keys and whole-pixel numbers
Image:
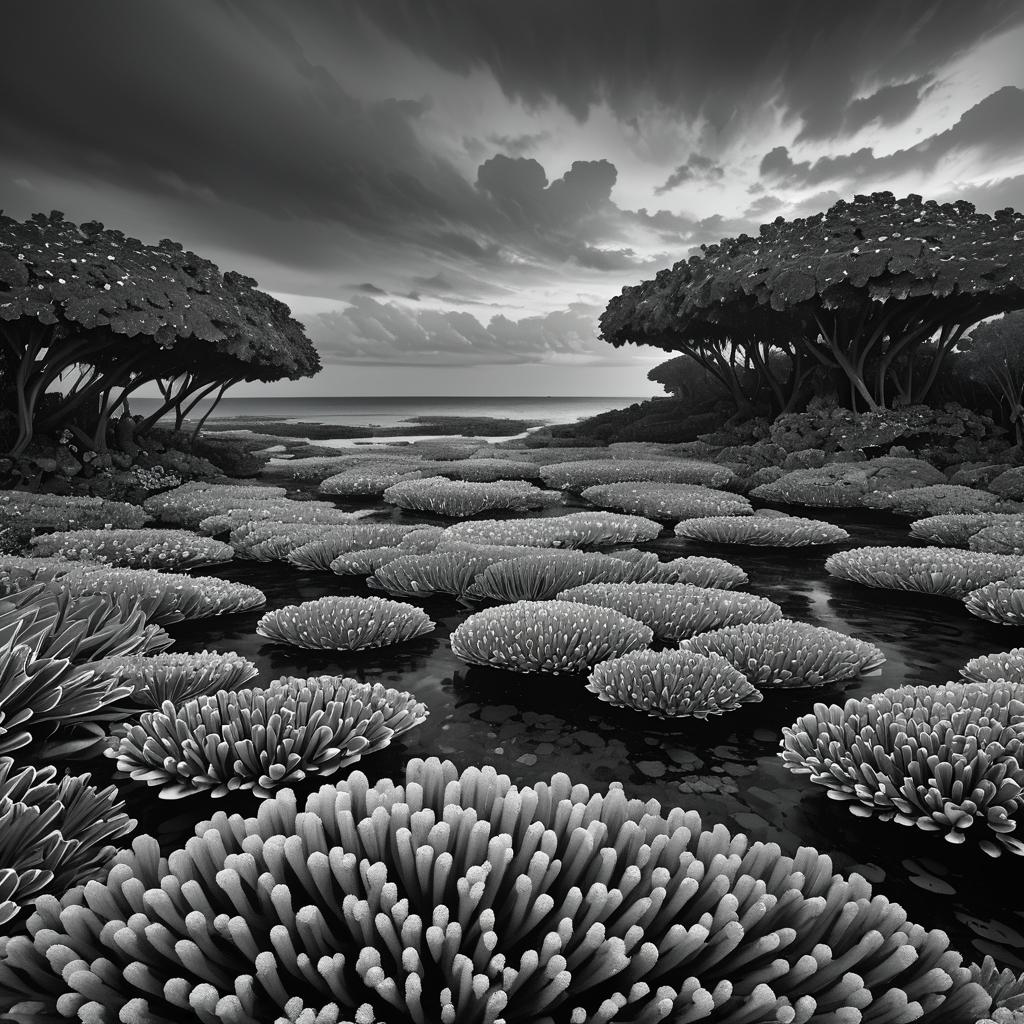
[
  {"x": 119, "y": 312},
  {"x": 857, "y": 289},
  {"x": 993, "y": 355}
]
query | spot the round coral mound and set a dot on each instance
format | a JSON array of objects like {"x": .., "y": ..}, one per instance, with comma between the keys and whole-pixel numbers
[
  {"x": 365, "y": 561},
  {"x": 464, "y": 898},
  {"x": 135, "y": 549},
  {"x": 675, "y": 610},
  {"x": 176, "y": 677},
  {"x": 933, "y": 500},
  {"x": 1001, "y": 602},
  {"x": 948, "y": 759},
  {"x": 667, "y": 500},
  {"x": 785, "y": 653},
  {"x": 460, "y": 499},
  {"x": 954, "y": 530},
  {"x": 702, "y": 571},
  {"x": 265, "y": 738},
  {"x": 948, "y": 572},
  {"x": 1003, "y": 665},
  {"x": 546, "y": 636},
  {"x": 1001, "y": 538},
  {"x": 762, "y": 531},
  {"x": 345, "y": 623},
  {"x": 575, "y": 530},
  {"x": 439, "y": 572},
  {"x": 576, "y": 476},
  {"x": 672, "y": 684}
]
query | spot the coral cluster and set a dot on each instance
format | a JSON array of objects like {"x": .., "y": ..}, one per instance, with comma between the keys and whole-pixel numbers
[
  {"x": 439, "y": 572},
  {"x": 783, "y": 653},
  {"x": 547, "y": 636},
  {"x": 1001, "y": 538},
  {"x": 702, "y": 571},
  {"x": 280, "y": 510},
  {"x": 318, "y": 555},
  {"x": 1001, "y": 602},
  {"x": 933, "y": 500},
  {"x": 948, "y": 759},
  {"x": 667, "y": 500},
  {"x": 459, "y": 499},
  {"x": 577, "y": 476},
  {"x": 365, "y": 561},
  {"x": 454, "y": 898},
  {"x": 344, "y": 623},
  {"x": 370, "y": 481},
  {"x": 24, "y": 513},
  {"x": 135, "y": 549},
  {"x": 483, "y": 470},
  {"x": 175, "y": 677},
  {"x": 954, "y": 530},
  {"x": 1005, "y": 665},
  {"x": 675, "y": 610},
  {"x": 762, "y": 531},
  {"x": 574, "y": 530},
  {"x": 672, "y": 684},
  {"x": 263, "y": 739},
  {"x": 949, "y": 572},
  {"x": 190, "y": 503}
]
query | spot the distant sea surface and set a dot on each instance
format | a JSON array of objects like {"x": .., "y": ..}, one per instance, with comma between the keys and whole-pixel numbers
[{"x": 392, "y": 411}]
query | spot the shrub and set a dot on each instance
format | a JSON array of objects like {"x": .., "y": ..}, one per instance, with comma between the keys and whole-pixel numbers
[
  {"x": 280, "y": 511},
  {"x": 54, "y": 835},
  {"x": 762, "y": 531},
  {"x": 365, "y": 561},
  {"x": 576, "y": 476},
  {"x": 135, "y": 549},
  {"x": 191, "y": 503},
  {"x": 936, "y": 499},
  {"x": 1004, "y": 665},
  {"x": 460, "y": 499},
  {"x": 540, "y": 577},
  {"x": 672, "y": 684},
  {"x": 783, "y": 653},
  {"x": 948, "y": 759},
  {"x": 318, "y": 555},
  {"x": 667, "y": 501},
  {"x": 701, "y": 571},
  {"x": 263, "y": 739},
  {"x": 953, "y": 530},
  {"x": 1003, "y": 538},
  {"x": 949, "y": 572},
  {"x": 440, "y": 572},
  {"x": 24, "y": 513},
  {"x": 176, "y": 677},
  {"x": 344, "y": 623},
  {"x": 575, "y": 530},
  {"x": 1001, "y": 602},
  {"x": 546, "y": 636},
  {"x": 675, "y": 610},
  {"x": 645, "y": 904},
  {"x": 367, "y": 481},
  {"x": 164, "y": 597}
]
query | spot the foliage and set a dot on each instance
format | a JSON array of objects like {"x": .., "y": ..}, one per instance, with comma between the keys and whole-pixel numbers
[
  {"x": 576, "y": 906},
  {"x": 948, "y": 759},
  {"x": 783, "y": 653},
  {"x": 344, "y": 623},
  {"x": 577, "y": 476},
  {"x": 675, "y": 610},
  {"x": 54, "y": 835},
  {"x": 933, "y": 500},
  {"x": 1002, "y": 538},
  {"x": 539, "y": 577},
  {"x": 546, "y": 636},
  {"x": 993, "y": 355},
  {"x": 460, "y": 499},
  {"x": 672, "y": 684},
  {"x": 947, "y": 572},
  {"x": 989, "y": 668},
  {"x": 135, "y": 549},
  {"x": 175, "y": 677},
  {"x": 761, "y": 531},
  {"x": 667, "y": 501},
  {"x": 263, "y": 739},
  {"x": 1000, "y": 602},
  {"x": 574, "y": 530}
]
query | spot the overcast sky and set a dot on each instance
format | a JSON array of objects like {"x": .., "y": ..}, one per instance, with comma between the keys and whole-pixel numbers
[{"x": 447, "y": 193}]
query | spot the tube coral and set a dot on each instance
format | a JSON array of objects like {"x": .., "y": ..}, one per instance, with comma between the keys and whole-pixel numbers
[
  {"x": 761, "y": 531},
  {"x": 784, "y": 653},
  {"x": 546, "y": 636},
  {"x": 463, "y": 898},
  {"x": 672, "y": 684},
  {"x": 344, "y": 623}
]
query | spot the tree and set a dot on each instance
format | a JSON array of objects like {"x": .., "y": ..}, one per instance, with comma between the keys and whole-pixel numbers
[
  {"x": 857, "y": 289},
  {"x": 993, "y": 356},
  {"x": 110, "y": 313}
]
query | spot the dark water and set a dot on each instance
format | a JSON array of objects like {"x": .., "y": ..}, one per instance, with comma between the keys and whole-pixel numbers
[{"x": 725, "y": 768}]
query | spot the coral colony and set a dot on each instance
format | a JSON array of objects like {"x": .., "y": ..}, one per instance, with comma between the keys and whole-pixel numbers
[{"x": 283, "y": 636}]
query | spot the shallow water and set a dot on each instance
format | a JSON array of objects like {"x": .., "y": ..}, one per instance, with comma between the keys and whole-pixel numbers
[{"x": 726, "y": 768}]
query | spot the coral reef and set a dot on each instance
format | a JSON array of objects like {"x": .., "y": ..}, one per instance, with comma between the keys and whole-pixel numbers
[
  {"x": 933, "y": 500},
  {"x": 949, "y": 572},
  {"x": 317, "y": 555},
  {"x": 761, "y": 531},
  {"x": 365, "y": 561},
  {"x": 459, "y": 499},
  {"x": 667, "y": 500},
  {"x": 570, "y": 907},
  {"x": 672, "y": 684},
  {"x": 1002, "y": 538},
  {"x": 439, "y": 572},
  {"x": 948, "y": 759},
  {"x": 189, "y": 504},
  {"x": 176, "y": 677},
  {"x": 701, "y": 571},
  {"x": 281, "y": 510},
  {"x": 988, "y": 668},
  {"x": 265, "y": 738},
  {"x": 574, "y": 530},
  {"x": 954, "y": 530},
  {"x": 1001, "y": 602},
  {"x": 546, "y": 636},
  {"x": 577, "y": 476},
  {"x": 135, "y": 549},
  {"x": 783, "y": 653},
  {"x": 484, "y": 470},
  {"x": 675, "y": 610},
  {"x": 24, "y": 513},
  {"x": 344, "y": 623},
  {"x": 369, "y": 481}
]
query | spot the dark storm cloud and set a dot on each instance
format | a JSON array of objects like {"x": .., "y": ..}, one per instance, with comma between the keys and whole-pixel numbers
[
  {"x": 994, "y": 127},
  {"x": 697, "y": 168},
  {"x": 696, "y": 59},
  {"x": 890, "y": 105},
  {"x": 368, "y": 288}
]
